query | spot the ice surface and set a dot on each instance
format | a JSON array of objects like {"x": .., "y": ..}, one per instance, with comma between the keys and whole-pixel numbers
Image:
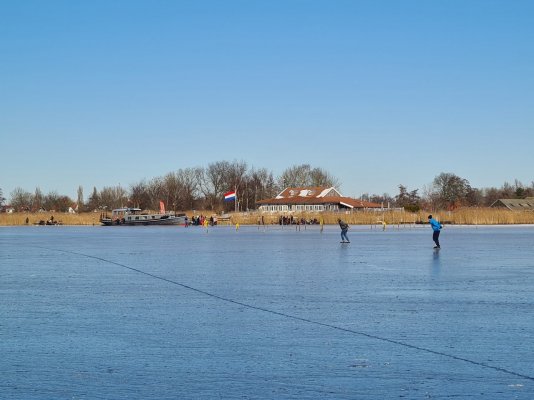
[{"x": 168, "y": 313}]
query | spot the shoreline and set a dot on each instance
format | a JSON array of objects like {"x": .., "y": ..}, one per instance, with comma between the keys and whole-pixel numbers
[
  {"x": 374, "y": 227},
  {"x": 460, "y": 217}
]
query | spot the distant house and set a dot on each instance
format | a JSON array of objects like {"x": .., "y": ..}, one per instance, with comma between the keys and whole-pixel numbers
[
  {"x": 316, "y": 199},
  {"x": 7, "y": 209},
  {"x": 515, "y": 204}
]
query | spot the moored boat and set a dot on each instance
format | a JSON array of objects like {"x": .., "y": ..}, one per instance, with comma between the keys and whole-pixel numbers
[{"x": 135, "y": 216}]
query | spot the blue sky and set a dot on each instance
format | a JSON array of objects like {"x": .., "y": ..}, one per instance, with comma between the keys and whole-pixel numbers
[{"x": 378, "y": 93}]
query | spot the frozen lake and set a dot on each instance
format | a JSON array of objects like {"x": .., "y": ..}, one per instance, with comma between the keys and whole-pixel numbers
[{"x": 182, "y": 313}]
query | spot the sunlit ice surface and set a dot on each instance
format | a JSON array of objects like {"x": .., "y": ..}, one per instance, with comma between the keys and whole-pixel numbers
[{"x": 266, "y": 312}]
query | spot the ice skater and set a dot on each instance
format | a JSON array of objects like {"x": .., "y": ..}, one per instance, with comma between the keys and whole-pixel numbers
[
  {"x": 344, "y": 228},
  {"x": 436, "y": 227}
]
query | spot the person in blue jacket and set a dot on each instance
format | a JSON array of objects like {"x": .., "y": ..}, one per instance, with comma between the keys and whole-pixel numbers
[{"x": 436, "y": 227}]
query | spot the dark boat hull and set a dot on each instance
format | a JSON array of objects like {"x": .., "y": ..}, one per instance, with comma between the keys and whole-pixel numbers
[{"x": 165, "y": 220}]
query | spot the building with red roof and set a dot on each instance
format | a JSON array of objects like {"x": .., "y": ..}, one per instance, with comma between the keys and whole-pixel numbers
[{"x": 314, "y": 199}]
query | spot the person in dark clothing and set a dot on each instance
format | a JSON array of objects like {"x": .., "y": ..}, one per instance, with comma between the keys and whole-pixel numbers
[
  {"x": 436, "y": 227},
  {"x": 344, "y": 229}
]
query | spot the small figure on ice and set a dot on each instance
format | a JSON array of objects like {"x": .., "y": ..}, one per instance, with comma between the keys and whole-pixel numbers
[
  {"x": 344, "y": 229},
  {"x": 436, "y": 227}
]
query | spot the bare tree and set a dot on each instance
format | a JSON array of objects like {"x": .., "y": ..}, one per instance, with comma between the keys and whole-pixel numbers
[
  {"x": 139, "y": 196},
  {"x": 171, "y": 190},
  {"x": 490, "y": 195},
  {"x": 53, "y": 201},
  {"x": 21, "y": 200},
  {"x": 295, "y": 176},
  {"x": 303, "y": 175},
  {"x": 507, "y": 191},
  {"x": 188, "y": 184},
  {"x": 235, "y": 179},
  {"x": 259, "y": 184},
  {"x": 213, "y": 183},
  {"x": 321, "y": 177},
  {"x": 113, "y": 197},
  {"x": 156, "y": 192},
  {"x": 474, "y": 197},
  {"x": 38, "y": 198}
]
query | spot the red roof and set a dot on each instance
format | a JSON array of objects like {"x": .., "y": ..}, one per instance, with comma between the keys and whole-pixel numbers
[
  {"x": 308, "y": 195},
  {"x": 303, "y": 192}
]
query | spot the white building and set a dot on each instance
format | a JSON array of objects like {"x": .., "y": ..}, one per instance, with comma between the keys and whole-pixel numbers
[{"x": 313, "y": 199}]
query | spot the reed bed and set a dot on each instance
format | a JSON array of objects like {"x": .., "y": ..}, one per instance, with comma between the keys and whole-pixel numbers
[
  {"x": 17, "y": 219},
  {"x": 464, "y": 216},
  {"x": 489, "y": 216}
]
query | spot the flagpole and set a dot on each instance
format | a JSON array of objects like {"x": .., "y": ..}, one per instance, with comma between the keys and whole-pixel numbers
[{"x": 235, "y": 200}]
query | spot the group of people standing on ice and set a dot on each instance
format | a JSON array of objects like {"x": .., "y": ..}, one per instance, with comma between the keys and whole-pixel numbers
[
  {"x": 289, "y": 220},
  {"x": 434, "y": 224},
  {"x": 201, "y": 220}
]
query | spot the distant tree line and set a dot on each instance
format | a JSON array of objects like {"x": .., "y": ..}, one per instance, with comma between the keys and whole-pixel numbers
[
  {"x": 203, "y": 188},
  {"x": 449, "y": 191},
  {"x": 185, "y": 189},
  {"x": 22, "y": 200}
]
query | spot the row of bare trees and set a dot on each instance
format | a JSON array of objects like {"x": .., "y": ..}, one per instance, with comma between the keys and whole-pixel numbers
[
  {"x": 23, "y": 200},
  {"x": 184, "y": 189},
  {"x": 203, "y": 188}
]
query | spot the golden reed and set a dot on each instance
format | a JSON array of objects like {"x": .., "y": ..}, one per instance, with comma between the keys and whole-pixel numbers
[{"x": 463, "y": 216}]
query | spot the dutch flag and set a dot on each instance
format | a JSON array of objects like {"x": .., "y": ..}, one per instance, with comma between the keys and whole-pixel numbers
[{"x": 230, "y": 196}]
